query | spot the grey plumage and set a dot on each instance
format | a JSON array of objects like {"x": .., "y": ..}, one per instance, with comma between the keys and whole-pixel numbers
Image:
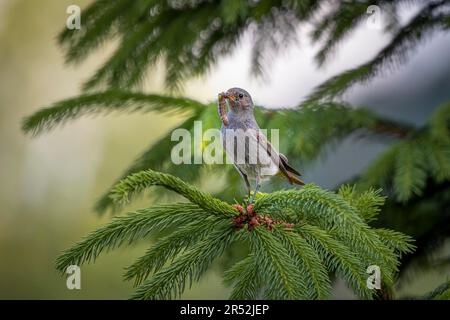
[{"x": 252, "y": 154}]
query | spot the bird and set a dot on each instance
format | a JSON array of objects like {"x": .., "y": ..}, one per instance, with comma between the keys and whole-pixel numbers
[{"x": 254, "y": 157}]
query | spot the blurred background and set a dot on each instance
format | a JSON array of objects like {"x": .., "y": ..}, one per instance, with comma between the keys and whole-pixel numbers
[{"x": 50, "y": 183}]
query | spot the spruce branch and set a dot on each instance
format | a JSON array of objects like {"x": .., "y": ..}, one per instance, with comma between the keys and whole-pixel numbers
[
  {"x": 310, "y": 201},
  {"x": 438, "y": 160},
  {"x": 338, "y": 24},
  {"x": 426, "y": 21},
  {"x": 186, "y": 37},
  {"x": 136, "y": 183},
  {"x": 296, "y": 238},
  {"x": 336, "y": 122},
  {"x": 397, "y": 241},
  {"x": 406, "y": 166},
  {"x": 153, "y": 31},
  {"x": 245, "y": 278},
  {"x": 337, "y": 257},
  {"x": 167, "y": 248},
  {"x": 105, "y": 102},
  {"x": 410, "y": 171},
  {"x": 392, "y": 128},
  {"x": 442, "y": 292},
  {"x": 440, "y": 123},
  {"x": 322, "y": 124},
  {"x": 99, "y": 24},
  {"x": 309, "y": 263},
  {"x": 128, "y": 229},
  {"x": 171, "y": 281},
  {"x": 279, "y": 271},
  {"x": 368, "y": 203}
]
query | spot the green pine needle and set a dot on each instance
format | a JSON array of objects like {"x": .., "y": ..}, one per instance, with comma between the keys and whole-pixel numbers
[
  {"x": 136, "y": 183},
  {"x": 104, "y": 102},
  {"x": 128, "y": 229},
  {"x": 323, "y": 232}
]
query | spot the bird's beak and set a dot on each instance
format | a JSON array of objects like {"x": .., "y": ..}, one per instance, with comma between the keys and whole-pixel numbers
[{"x": 230, "y": 97}]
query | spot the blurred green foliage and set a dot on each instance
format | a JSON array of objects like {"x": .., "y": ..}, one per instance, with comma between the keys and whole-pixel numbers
[{"x": 413, "y": 172}]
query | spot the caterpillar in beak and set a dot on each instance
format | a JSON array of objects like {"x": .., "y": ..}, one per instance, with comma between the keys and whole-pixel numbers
[{"x": 223, "y": 108}]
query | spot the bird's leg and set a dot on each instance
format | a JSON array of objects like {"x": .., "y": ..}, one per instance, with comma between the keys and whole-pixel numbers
[
  {"x": 249, "y": 189},
  {"x": 247, "y": 184},
  {"x": 258, "y": 185}
]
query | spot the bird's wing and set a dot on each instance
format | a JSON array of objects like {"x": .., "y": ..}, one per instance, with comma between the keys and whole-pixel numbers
[
  {"x": 271, "y": 151},
  {"x": 284, "y": 159},
  {"x": 267, "y": 146},
  {"x": 280, "y": 159}
]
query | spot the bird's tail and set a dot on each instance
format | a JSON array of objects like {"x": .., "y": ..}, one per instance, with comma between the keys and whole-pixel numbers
[
  {"x": 289, "y": 172},
  {"x": 293, "y": 178}
]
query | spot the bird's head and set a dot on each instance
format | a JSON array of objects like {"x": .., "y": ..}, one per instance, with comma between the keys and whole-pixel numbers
[{"x": 239, "y": 99}]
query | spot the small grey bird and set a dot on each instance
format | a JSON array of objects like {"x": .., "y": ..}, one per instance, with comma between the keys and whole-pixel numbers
[{"x": 253, "y": 155}]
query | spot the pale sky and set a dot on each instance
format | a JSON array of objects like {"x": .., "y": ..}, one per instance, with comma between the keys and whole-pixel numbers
[{"x": 293, "y": 73}]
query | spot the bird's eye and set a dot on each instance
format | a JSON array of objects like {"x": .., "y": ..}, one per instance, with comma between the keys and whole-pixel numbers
[{"x": 241, "y": 95}]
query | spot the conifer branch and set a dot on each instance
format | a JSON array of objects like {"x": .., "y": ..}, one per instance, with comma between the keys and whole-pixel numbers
[
  {"x": 440, "y": 123},
  {"x": 99, "y": 24},
  {"x": 368, "y": 203},
  {"x": 396, "y": 241},
  {"x": 278, "y": 270},
  {"x": 167, "y": 248},
  {"x": 105, "y": 102},
  {"x": 338, "y": 24},
  {"x": 410, "y": 171},
  {"x": 442, "y": 292},
  {"x": 310, "y": 200},
  {"x": 246, "y": 280},
  {"x": 338, "y": 257},
  {"x": 427, "y": 20},
  {"x": 171, "y": 281},
  {"x": 309, "y": 263},
  {"x": 336, "y": 121},
  {"x": 296, "y": 238},
  {"x": 406, "y": 166},
  {"x": 438, "y": 154},
  {"x": 136, "y": 183},
  {"x": 128, "y": 229}
]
